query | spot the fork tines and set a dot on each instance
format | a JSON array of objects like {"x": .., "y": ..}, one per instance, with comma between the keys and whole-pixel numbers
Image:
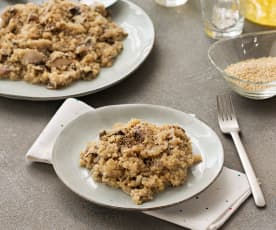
[
  {"x": 225, "y": 107},
  {"x": 226, "y": 114}
]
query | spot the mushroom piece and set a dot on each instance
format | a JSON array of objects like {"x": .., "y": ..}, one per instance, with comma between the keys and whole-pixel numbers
[
  {"x": 33, "y": 17},
  {"x": 4, "y": 70},
  {"x": 61, "y": 62},
  {"x": 59, "y": 59},
  {"x": 81, "y": 50},
  {"x": 75, "y": 11},
  {"x": 33, "y": 57}
]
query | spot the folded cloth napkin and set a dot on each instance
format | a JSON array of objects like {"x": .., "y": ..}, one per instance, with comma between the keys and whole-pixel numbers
[{"x": 207, "y": 211}]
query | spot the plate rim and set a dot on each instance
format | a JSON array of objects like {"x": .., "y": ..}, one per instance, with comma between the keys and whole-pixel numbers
[
  {"x": 111, "y": 3},
  {"x": 54, "y": 153},
  {"x": 93, "y": 91}
]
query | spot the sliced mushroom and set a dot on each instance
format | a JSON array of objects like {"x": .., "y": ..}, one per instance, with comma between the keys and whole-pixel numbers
[
  {"x": 61, "y": 62},
  {"x": 81, "y": 50},
  {"x": 59, "y": 59},
  {"x": 75, "y": 11},
  {"x": 138, "y": 135},
  {"x": 89, "y": 42},
  {"x": 33, "y": 57},
  {"x": 33, "y": 17},
  {"x": 4, "y": 70}
]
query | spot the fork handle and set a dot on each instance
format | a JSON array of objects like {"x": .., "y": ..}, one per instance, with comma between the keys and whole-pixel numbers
[{"x": 249, "y": 171}]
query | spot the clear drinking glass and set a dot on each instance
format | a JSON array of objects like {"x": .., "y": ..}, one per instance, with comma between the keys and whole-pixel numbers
[
  {"x": 171, "y": 3},
  {"x": 222, "y": 18}
]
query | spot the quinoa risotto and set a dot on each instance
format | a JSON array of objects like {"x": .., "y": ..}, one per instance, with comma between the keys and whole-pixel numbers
[
  {"x": 57, "y": 43},
  {"x": 140, "y": 158}
]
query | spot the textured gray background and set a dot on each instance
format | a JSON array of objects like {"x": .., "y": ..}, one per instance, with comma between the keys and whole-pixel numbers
[{"x": 177, "y": 74}]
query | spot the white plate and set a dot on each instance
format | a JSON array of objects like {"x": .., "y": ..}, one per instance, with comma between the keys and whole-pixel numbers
[
  {"x": 106, "y": 3},
  {"x": 137, "y": 46},
  {"x": 85, "y": 128}
]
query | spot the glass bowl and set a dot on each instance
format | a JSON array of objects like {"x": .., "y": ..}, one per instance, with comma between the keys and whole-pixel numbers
[{"x": 253, "y": 45}]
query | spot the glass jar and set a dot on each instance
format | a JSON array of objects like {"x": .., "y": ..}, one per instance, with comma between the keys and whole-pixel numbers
[{"x": 260, "y": 11}]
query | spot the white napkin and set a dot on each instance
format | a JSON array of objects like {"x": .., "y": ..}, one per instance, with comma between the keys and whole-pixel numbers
[
  {"x": 41, "y": 150},
  {"x": 207, "y": 211}
]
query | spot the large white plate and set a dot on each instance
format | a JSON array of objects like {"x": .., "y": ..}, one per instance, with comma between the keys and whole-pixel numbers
[
  {"x": 137, "y": 46},
  {"x": 85, "y": 128}
]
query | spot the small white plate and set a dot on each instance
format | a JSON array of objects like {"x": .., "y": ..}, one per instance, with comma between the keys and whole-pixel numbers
[
  {"x": 137, "y": 47},
  {"x": 85, "y": 128}
]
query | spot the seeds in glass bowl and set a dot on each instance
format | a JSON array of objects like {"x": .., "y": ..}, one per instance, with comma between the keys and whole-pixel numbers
[{"x": 259, "y": 70}]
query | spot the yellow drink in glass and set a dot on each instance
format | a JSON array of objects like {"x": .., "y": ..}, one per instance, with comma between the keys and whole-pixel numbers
[{"x": 260, "y": 11}]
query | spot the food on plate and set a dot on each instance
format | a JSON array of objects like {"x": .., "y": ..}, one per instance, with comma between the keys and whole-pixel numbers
[
  {"x": 256, "y": 70},
  {"x": 57, "y": 43},
  {"x": 140, "y": 158}
]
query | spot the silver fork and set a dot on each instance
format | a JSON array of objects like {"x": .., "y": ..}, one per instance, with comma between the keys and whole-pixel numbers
[{"x": 228, "y": 124}]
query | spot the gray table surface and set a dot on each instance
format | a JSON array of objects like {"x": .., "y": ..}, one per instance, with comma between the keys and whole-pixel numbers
[{"x": 178, "y": 74}]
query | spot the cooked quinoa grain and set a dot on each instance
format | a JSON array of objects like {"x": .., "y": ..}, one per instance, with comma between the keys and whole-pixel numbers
[
  {"x": 57, "y": 43},
  {"x": 140, "y": 158},
  {"x": 260, "y": 70}
]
